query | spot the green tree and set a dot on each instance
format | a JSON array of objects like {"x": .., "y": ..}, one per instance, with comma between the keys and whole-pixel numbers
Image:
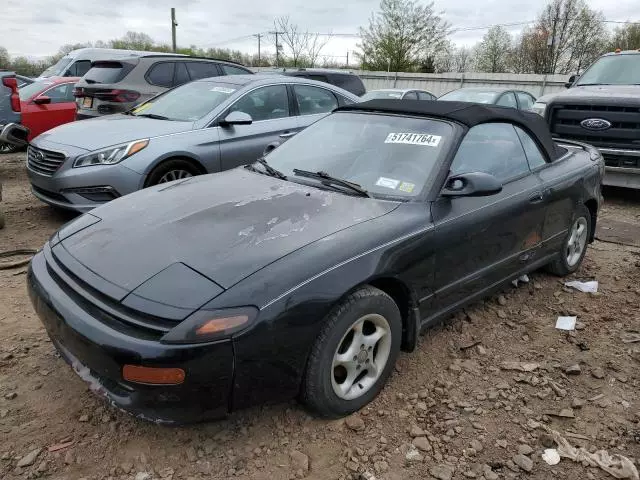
[
  {"x": 401, "y": 36},
  {"x": 4, "y": 58},
  {"x": 625, "y": 38},
  {"x": 134, "y": 41},
  {"x": 492, "y": 53}
]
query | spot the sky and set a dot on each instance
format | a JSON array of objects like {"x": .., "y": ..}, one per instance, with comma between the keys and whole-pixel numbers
[{"x": 37, "y": 28}]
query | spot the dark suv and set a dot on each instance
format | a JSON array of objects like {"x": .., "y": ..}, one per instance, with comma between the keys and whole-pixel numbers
[
  {"x": 602, "y": 107},
  {"x": 340, "y": 78},
  {"x": 115, "y": 86}
]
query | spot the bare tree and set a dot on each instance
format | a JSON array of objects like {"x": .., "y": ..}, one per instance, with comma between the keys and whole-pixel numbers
[
  {"x": 626, "y": 38},
  {"x": 493, "y": 51},
  {"x": 314, "y": 45},
  {"x": 463, "y": 59},
  {"x": 291, "y": 36}
]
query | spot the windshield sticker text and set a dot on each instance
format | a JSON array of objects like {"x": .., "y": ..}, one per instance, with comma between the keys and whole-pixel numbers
[
  {"x": 414, "y": 139},
  {"x": 388, "y": 183},
  {"x": 223, "y": 90},
  {"x": 407, "y": 187}
]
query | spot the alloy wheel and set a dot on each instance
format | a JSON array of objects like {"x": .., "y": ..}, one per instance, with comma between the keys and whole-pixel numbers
[
  {"x": 361, "y": 356},
  {"x": 172, "y": 175},
  {"x": 577, "y": 241}
]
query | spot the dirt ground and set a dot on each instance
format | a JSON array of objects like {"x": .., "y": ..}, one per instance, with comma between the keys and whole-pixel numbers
[{"x": 472, "y": 412}]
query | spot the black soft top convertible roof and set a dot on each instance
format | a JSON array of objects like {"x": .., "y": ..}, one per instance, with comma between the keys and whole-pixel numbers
[{"x": 469, "y": 114}]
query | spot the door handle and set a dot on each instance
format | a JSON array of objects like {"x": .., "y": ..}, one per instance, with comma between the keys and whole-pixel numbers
[
  {"x": 537, "y": 198},
  {"x": 287, "y": 134}
]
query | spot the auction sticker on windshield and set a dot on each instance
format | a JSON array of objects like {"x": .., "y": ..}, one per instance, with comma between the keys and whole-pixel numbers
[
  {"x": 388, "y": 182},
  {"x": 414, "y": 139}
]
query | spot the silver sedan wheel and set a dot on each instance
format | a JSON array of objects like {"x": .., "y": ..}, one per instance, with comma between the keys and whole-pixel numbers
[
  {"x": 577, "y": 241},
  {"x": 172, "y": 175},
  {"x": 361, "y": 356}
]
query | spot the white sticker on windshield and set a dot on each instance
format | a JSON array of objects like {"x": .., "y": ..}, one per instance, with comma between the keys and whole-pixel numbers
[
  {"x": 388, "y": 182},
  {"x": 414, "y": 139},
  {"x": 223, "y": 90}
]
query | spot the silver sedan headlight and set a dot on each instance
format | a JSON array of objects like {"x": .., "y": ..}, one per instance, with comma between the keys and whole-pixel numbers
[
  {"x": 539, "y": 108},
  {"x": 111, "y": 155}
]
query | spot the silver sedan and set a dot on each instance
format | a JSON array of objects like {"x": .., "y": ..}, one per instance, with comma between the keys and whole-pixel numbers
[{"x": 202, "y": 127}]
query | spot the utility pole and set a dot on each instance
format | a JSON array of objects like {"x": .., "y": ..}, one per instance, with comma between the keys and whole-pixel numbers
[
  {"x": 259, "y": 36},
  {"x": 347, "y": 58},
  {"x": 174, "y": 24},
  {"x": 276, "y": 33}
]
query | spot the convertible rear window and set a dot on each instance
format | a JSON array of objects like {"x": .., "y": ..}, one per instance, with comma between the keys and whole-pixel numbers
[{"x": 387, "y": 155}]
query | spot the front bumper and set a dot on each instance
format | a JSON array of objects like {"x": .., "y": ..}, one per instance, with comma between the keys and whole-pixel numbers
[
  {"x": 61, "y": 189},
  {"x": 620, "y": 176},
  {"x": 98, "y": 349}
]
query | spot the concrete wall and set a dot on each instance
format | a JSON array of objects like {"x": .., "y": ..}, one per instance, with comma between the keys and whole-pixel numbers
[{"x": 441, "y": 83}]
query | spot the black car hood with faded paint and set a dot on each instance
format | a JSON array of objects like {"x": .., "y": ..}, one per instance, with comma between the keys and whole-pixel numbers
[
  {"x": 610, "y": 94},
  {"x": 225, "y": 226}
]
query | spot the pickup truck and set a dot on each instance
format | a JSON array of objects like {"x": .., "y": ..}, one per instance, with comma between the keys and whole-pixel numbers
[
  {"x": 602, "y": 107},
  {"x": 12, "y": 135}
]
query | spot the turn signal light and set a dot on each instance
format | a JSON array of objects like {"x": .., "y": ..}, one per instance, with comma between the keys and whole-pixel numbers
[
  {"x": 153, "y": 375},
  {"x": 221, "y": 324}
]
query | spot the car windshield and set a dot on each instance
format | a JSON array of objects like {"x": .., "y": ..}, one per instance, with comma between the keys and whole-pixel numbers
[
  {"x": 56, "y": 69},
  {"x": 28, "y": 91},
  {"x": 381, "y": 94},
  {"x": 475, "y": 96},
  {"x": 187, "y": 103},
  {"x": 387, "y": 155},
  {"x": 613, "y": 70}
]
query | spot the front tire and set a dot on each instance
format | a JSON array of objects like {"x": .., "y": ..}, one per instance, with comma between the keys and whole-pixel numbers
[
  {"x": 354, "y": 354},
  {"x": 170, "y": 170},
  {"x": 574, "y": 246}
]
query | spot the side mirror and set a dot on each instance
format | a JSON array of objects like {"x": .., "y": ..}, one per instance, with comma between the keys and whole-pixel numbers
[
  {"x": 237, "y": 118},
  {"x": 42, "y": 100},
  {"x": 571, "y": 81},
  {"x": 474, "y": 184}
]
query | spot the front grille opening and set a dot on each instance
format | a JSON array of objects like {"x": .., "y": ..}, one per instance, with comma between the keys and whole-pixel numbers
[
  {"x": 52, "y": 195},
  {"x": 44, "y": 162},
  {"x": 621, "y": 161}
]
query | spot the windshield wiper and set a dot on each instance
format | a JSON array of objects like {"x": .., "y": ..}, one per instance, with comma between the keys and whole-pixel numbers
[
  {"x": 269, "y": 170},
  {"x": 154, "y": 116},
  {"x": 329, "y": 180}
]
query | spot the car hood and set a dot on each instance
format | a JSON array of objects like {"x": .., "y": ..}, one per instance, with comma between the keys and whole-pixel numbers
[
  {"x": 597, "y": 93},
  {"x": 225, "y": 226},
  {"x": 110, "y": 130}
]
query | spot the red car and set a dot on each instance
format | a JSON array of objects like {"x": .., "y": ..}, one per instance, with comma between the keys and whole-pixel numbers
[{"x": 45, "y": 104}]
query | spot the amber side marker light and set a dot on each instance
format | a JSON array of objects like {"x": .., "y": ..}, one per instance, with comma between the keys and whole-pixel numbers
[
  {"x": 153, "y": 375},
  {"x": 221, "y": 324}
]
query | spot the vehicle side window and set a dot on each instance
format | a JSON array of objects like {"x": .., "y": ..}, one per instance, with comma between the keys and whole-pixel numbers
[
  {"x": 507, "y": 100},
  {"x": 161, "y": 74},
  {"x": 198, "y": 70},
  {"x": 78, "y": 69},
  {"x": 319, "y": 78},
  {"x": 266, "y": 103},
  {"x": 410, "y": 96},
  {"x": 182, "y": 76},
  {"x": 229, "y": 70},
  {"x": 531, "y": 149},
  {"x": 312, "y": 100},
  {"x": 60, "y": 93},
  {"x": 526, "y": 101},
  {"x": 425, "y": 96},
  {"x": 493, "y": 148}
]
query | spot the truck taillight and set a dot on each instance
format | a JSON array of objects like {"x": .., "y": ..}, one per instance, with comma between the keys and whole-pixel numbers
[{"x": 10, "y": 82}]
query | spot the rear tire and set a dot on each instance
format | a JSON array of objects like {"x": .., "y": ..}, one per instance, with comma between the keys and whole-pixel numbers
[
  {"x": 170, "y": 170},
  {"x": 354, "y": 354},
  {"x": 574, "y": 245}
]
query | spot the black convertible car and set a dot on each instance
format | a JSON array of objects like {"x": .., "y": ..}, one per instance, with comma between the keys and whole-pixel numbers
[{"x": 305, "y": 273}]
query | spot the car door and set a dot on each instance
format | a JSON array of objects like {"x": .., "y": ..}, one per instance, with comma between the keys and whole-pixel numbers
[
  {"x": 273, "y": 122},
  {"x": 507, "y": 99},
  {"x": 485, "y": 240},
  {"x": 561, "y": 191},
  {"x": 312, "y": 103},
  {"x": 39, "y": 118}
]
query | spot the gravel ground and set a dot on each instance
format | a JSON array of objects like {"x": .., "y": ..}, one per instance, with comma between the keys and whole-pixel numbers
[{"x": 472, "y": 402}]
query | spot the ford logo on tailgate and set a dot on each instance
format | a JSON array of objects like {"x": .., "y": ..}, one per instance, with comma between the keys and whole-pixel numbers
[{"x": 595, "y": 124}]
